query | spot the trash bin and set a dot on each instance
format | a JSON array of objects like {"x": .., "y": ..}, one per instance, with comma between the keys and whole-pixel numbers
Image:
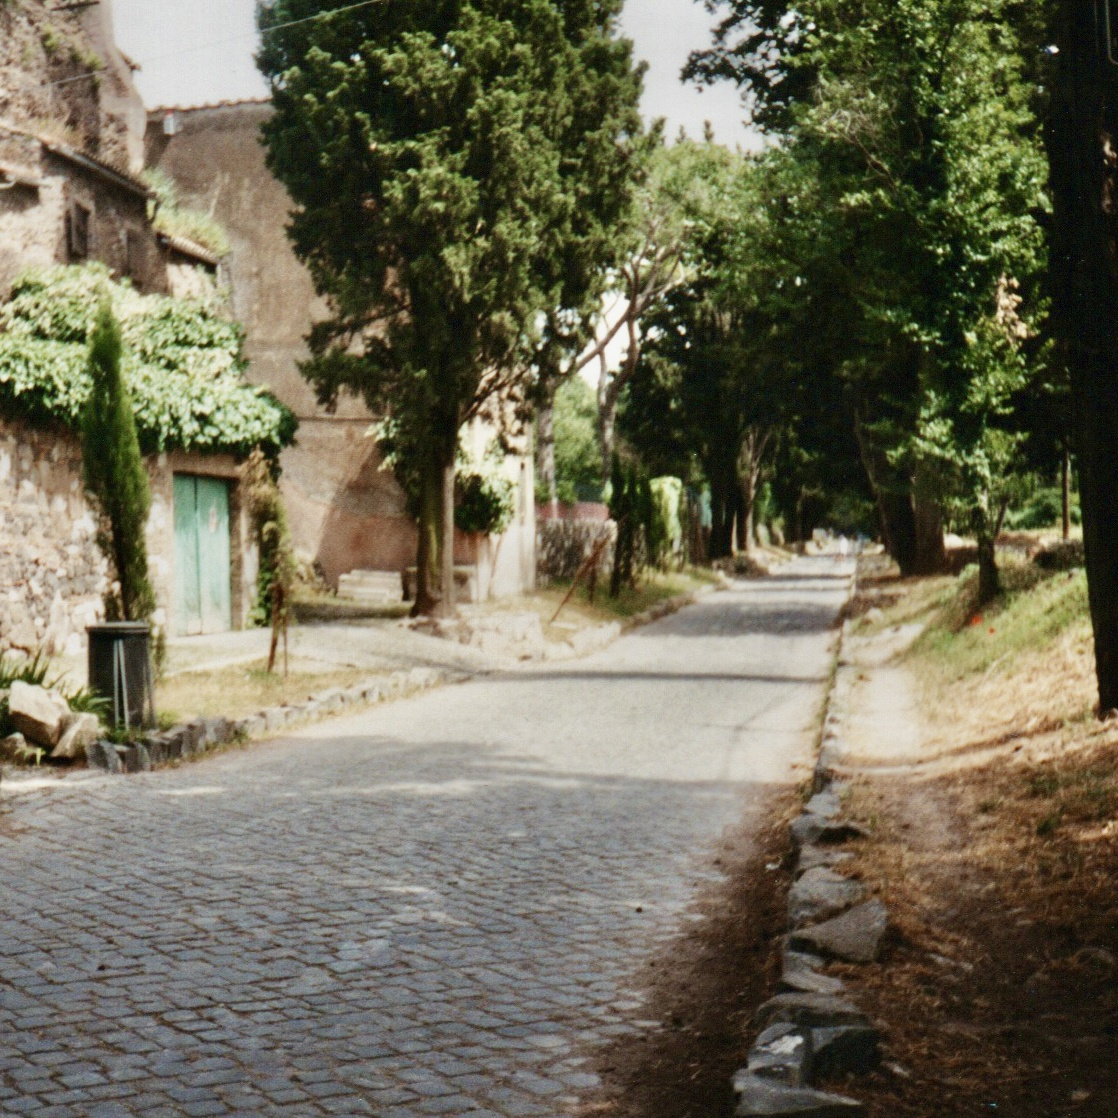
[{"x": 120, "y": 671}]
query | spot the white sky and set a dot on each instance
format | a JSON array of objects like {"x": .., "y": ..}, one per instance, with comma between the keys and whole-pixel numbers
[{"x": 199, "y": 51}]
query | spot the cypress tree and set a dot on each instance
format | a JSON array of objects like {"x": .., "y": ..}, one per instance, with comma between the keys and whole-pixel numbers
[{"x": 114, "y": 475}]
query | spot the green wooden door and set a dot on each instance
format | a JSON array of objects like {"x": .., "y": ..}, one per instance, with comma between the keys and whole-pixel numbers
[{"x": 202, "y": 596}]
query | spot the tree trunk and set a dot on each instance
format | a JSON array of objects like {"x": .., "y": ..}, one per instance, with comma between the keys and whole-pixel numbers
[
  {"x": 545, "y": 445},
  {"x": 1082, "y": 141},
  {"x": 989, "y": 583},
  {"x": 722, "y": 493},
  {"x": 931, "y": 555},
  {"x": 1065, "y": 494},
  {"x": 430, "y": 484},
  {"x": 447, "y": 608}
]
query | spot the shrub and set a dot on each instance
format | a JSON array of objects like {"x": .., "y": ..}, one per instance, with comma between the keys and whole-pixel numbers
[{"x": 114, "y": 475}]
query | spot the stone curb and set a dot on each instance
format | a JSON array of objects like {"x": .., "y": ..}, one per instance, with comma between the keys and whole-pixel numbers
[
  {"x": 200, "y": 736},
  {"x": 811, "y": 1029}
]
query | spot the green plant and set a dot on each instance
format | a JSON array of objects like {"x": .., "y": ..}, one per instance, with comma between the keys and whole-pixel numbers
[
  {"x": 275, "y": 582},
  {"x": 182, "y": 361},
  {"x": 50, "y": 38},
  {"x": 114, "y": 475},
  {"x": 171, "y": 217},
  {"x": 485, "y": 500}
]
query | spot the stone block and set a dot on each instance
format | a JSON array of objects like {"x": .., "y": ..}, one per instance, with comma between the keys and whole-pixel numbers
[
  {"x": 371, "y": 693},
  {"x": 826, "y": 804},
  {"x": 103, "y": 755},
  {"x": 77, "y": 732},
  {"x": 274, "y": 718},
  {"x": 844, "y": 1050},
  {"x": 253, "y": 726},
  {"x": 781, "y": 1052},
  {"x": 815, "y": 1011},
  {"x": 820, "y": 894},
  {"x": 853, "y": 937},
  {"x": 800, "y": 974},
  {"x": 763, "y": 1098},
  {"x": 37, "y": 713},
  {"x": 137, "y": 759},
  {"x": 811, "y": 857},
  {"x": 810, "y": 829}
]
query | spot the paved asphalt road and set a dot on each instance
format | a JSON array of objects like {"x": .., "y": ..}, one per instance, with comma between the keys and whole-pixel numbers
[{"x": 434, "y": 907}]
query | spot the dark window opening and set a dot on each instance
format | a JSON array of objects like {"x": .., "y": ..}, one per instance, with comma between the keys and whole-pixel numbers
[{"x": 78, "y": 231}]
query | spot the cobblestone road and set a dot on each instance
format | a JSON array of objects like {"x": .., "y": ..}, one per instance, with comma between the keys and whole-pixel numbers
[{"x": 435, "y": 907}]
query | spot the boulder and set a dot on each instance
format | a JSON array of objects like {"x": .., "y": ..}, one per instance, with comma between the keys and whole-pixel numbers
[
  {"x": 813, "y": 1011},
  {"x": 762, "y": 1098},
  {"x": 104, "y": 755},
  {"x": 77, "y": 732},
  {"x": 811, "y": 829},
  {"x": 782, "y": 1053},
  {"x": 820, "y": 894},
  {"x": 37, "y": 713},
  {"x": 844, "y": 1050},
  {"x": 14, "y": 748},
  {"x": 853, "y": 937}
]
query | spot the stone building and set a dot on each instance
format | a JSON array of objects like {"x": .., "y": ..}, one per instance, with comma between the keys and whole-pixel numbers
[
  {"x": 71, "y": 152},
  {"x": 346, "y": 512}
]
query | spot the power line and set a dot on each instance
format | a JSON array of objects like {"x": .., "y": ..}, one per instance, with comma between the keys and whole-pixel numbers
[{"x": 225, "y": 42}]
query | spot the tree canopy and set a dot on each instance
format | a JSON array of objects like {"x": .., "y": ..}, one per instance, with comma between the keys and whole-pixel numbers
[{"x": 456, "y": 168}]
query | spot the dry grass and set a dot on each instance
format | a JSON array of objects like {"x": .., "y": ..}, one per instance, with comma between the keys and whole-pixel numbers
[
  {"x": 581, "y": 612},
  {"x": 997, "y": 860},
  {"x": 245, "y": 689}
]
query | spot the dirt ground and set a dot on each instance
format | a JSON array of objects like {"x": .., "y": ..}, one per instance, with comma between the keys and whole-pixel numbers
[
  {"x": 705, "y": 988},
  {"x": 996, "y": 850}
]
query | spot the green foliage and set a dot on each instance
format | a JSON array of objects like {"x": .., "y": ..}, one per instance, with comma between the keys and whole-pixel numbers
[
  {"x": 183, "y": 363},
  {"x": 275, "y": 579},
  {"x": 114, "y": 475},
  {"x": 485, "y": 501},
  {"x": 444, "y": 160},
  {"x": 1044, "y": 508},
  {"x": 171, "y": 217},
  {"x": 666, "y": 540},
  {"x": 578, "y": 453}
]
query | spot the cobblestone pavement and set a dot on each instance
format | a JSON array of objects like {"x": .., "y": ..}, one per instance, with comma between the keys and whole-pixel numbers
[{"x": 435, "y": 907}]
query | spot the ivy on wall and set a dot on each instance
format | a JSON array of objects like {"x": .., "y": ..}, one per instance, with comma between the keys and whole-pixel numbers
[{"x": 184, "y": 363}]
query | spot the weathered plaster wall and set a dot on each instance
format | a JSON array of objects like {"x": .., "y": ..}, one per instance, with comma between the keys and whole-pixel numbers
[
  {"x": 346, "y": 513},
  {"x": 52, "y": 575},
  {"x": 60, "y": 69}
]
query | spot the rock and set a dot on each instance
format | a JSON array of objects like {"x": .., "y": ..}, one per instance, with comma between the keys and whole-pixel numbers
[
  {"x": 759, "y": 1097},
  {"x": 782, "y": 1053},
  {"x": 815, "y": 1011},
  {"x": 854, "y": 937},
  {"x": 820, "y": 894},
  {"x": 253, "y": 725},
  {"x": 811, "y": 857},
  {"x": 137, "y": 759},
  {"x": 37, "y": 713},
  {"x": 844, "y": 1050},
  {"x": 77, "y": 732},
  {"x": 827, "y": 804},
  {"x": 15, "y": 748},
  {"x": 214, "y": 731},
  {"x": 103, "y": 755},
  {"x": 371, "y": 693},
  {"x": 799, "y": 974},
  {"x": 811, "y": 829},
  {"x": 274, "y": 718}
]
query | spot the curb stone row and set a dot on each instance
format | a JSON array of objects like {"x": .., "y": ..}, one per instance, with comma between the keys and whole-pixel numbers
[
  {"x": 811, "y": 1030},
  {"x": 192, "y": 739}
]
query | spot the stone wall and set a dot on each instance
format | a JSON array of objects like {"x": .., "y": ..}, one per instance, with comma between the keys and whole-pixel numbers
[{"x": 52, "y": 575}]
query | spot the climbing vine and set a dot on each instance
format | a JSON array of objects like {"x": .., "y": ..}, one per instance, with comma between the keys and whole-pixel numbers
[{"x": 183, "y": 362}]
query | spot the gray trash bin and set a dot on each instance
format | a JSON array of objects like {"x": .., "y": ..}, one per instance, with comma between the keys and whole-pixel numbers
[{"x": 120, "y": 671}]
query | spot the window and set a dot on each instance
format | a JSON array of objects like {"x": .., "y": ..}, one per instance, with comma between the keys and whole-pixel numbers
[
  {"x": 133, "y": 255},
  {"x": 78, "y": 231}
]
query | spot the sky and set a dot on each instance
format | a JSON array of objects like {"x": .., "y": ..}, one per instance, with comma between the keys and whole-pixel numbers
[{"x": 196, "y": 52}]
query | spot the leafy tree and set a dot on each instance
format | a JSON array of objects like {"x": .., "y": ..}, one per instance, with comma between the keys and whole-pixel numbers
[
  {"x": 115, "y": 477},
  {"x": 577, "y": 453},
  {"x": 443, "y": 157},
  {"x": 911, "y": 131}
]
